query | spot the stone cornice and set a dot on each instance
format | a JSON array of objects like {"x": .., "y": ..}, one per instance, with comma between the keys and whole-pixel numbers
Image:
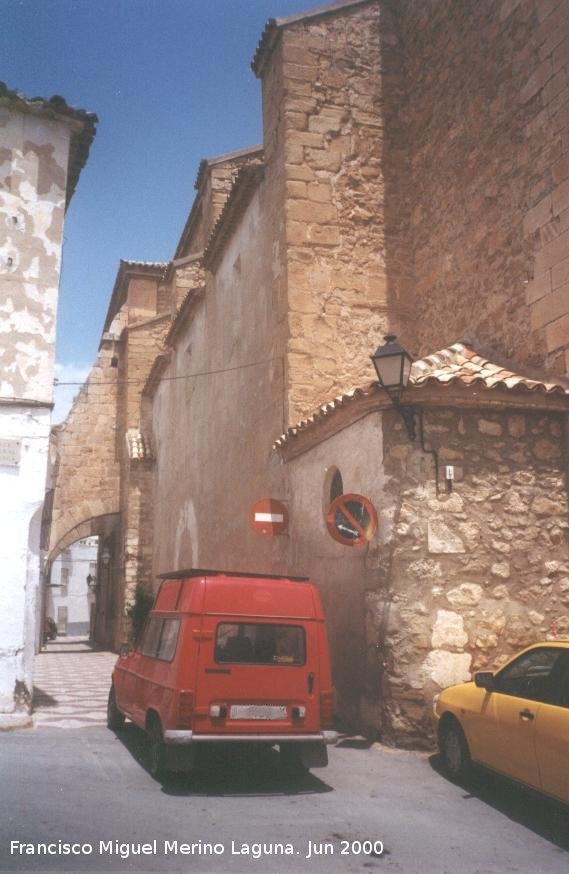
[{"x": 274, "y": 27}]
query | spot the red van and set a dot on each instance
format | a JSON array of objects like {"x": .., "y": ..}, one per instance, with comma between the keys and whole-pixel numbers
[{"x": 227, "y": 657}]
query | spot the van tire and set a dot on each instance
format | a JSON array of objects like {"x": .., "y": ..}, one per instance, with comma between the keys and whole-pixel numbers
[
  {"x": 115, "y": 719},
  {"x": 156, "y": 748},
  {"x": 290, "y": 756}
]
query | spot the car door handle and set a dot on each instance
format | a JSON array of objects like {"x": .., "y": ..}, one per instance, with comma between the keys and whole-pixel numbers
[
  {"x": 526, "y": 714},
  {"x": 310, "y": 682}
]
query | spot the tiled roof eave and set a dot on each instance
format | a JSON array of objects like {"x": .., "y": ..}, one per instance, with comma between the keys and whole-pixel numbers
[
  {"x": 83, "y": 127},
  {"x": 440, "y": 389},
  {"x": 244, "y": 187}
]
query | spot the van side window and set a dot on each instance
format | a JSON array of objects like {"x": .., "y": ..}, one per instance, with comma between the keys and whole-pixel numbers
[
  {"x": 253, "y": 644},
  {"x": 168, "y": 639},
  {"x": 160, "y": 638},
  {"x": 151, "y": 637}
]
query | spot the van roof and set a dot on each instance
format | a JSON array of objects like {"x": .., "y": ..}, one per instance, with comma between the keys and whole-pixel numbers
[
  {"x": 205, "y": 572},
  {"x": 227, "y": 595}
]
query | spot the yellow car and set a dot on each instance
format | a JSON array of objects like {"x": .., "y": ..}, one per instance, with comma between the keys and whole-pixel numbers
[{"x": 514, "y": 721}]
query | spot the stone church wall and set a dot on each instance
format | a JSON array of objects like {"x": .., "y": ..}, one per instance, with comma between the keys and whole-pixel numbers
[
  {"x": 488, "y": 132},
  {"x": 325, "y": 75}
]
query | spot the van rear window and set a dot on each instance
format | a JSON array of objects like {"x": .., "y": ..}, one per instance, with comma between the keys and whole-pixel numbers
[{"x": 248, "y": 643}]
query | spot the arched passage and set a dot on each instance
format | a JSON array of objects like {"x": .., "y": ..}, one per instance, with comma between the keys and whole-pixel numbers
[{"x": 104, "y": 623}]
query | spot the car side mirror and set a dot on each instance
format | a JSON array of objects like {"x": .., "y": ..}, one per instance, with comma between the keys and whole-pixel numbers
[
  {"x": 125, "y": 650},
  {"x": 485, "y": 680}
]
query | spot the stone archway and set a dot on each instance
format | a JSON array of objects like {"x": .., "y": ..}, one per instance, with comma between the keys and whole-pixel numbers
[{"x": 106, "y": 625}]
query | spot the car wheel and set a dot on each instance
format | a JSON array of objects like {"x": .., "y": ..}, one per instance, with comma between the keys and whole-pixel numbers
[
  {"x": 115, "y": 719},
  {"x": 156, "y": 750},
  {"x": 455, "y": 752}
]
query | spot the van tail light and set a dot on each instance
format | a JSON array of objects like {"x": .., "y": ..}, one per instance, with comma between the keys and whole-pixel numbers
[
  {"x": 326, "y": 709},
  {"x": 185, "y": 709}
]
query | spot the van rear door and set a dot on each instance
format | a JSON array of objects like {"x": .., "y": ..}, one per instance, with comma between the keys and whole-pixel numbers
[{"x": 257, "y": 676}]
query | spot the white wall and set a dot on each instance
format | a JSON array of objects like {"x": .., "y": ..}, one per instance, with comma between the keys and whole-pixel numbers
[
  {"x": 21, "y": 497},
  {"x": 77, "y": 560}
]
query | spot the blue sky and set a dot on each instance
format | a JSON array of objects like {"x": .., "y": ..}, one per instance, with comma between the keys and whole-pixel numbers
[{"x": 171, "y": 83}]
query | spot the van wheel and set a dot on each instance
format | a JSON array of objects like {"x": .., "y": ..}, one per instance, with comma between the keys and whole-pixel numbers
[
  {"x": 291, "y": 759},
  {"x": 156, "y": 749},
  {"x": 455, "y": 752},
  {"x": 115, "y": 719}
]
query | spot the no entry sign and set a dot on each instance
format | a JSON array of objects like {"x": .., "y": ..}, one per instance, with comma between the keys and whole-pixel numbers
[
  {"x": 269, "y": 517},
  {"x": 352, "y": 520}
]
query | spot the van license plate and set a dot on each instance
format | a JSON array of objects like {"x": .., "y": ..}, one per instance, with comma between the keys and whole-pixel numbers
[{"x": 256, "y": 711}]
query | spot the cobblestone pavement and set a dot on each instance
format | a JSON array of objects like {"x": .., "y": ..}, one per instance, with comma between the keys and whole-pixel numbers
[{"x": 71, "y": 684}]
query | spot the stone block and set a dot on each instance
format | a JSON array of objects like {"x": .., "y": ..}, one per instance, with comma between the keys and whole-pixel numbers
[
  {"x": 516, "y": 425},
  {"x": 307, "y": 211},
  {"x": 501, "y": 569},
  {"x": 487, "y": 426},
  {"x": 557, "y": 334},
  {"x": 552, "y": 253},
  {"x": 306, "y": 138},
  {"x": 322, "y": 235},
  {"x": 321, "y": 192},
  {"x": 547, "y": 450},
  {"x": 537, "y": 216},
  {"x": 447, "y": 668},
  {"x": 324, "y": 159},
  {"x": 441, "y": 540},
  {"x": 465, "y": 595},
  {"x": 560, "y": 273}
]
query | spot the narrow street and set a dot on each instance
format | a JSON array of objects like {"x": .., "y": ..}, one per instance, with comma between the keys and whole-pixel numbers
[
  {"x": 71, "y": 684},
  {"x": 69, "y": 779}
]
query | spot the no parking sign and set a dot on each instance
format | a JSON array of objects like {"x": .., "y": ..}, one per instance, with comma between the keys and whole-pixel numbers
[{"x": 352, "y": 520}]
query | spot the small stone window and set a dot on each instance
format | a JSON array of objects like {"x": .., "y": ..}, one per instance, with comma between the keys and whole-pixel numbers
[
  {"x": 333, "y": 487},
  {"x": 336, "y": 486}
]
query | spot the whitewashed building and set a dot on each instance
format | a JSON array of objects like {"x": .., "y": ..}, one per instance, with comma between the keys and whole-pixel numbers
[
  {"x": 44, "y": 144},
  {"x": 70, "y": 595}
]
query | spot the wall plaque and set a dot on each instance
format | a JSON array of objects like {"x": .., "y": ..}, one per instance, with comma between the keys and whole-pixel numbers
[{"x": 10, "y": 453}]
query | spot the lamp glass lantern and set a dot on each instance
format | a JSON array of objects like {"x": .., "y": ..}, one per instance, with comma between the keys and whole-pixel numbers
[{"x": 392, "y": 364}]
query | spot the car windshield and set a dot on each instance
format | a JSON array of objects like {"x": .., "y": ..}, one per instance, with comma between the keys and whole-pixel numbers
[{"x": 260, "y": 644}]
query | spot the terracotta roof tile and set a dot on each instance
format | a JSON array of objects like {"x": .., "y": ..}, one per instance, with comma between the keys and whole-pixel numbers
[{"x": 459, "y": 364}]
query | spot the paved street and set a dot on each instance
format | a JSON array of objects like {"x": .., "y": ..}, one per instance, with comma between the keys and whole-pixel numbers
[
  {"x": 71, "y": 684},
  {"x": 88, "y": 786}
]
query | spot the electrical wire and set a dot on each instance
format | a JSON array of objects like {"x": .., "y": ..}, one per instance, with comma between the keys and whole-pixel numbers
[{"x": 87, "y": 383}]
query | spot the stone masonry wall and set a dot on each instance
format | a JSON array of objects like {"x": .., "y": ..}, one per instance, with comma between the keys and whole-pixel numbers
[
  {"x": 477, "y": 573},
  {"x": 325, "y": 77},
  {"x": 488, "y": 127},
  {"x": 142, "y": 344},
  {"x": 87, "y": 470}
]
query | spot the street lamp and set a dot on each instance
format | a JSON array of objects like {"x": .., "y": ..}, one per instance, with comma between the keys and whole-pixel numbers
[{"x": 393, "y": 366}]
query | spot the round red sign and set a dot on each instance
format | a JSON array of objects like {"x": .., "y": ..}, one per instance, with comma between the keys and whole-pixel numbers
[
  {"x": 352, "y": 520},
  {"x": 269, "y": 517}
]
